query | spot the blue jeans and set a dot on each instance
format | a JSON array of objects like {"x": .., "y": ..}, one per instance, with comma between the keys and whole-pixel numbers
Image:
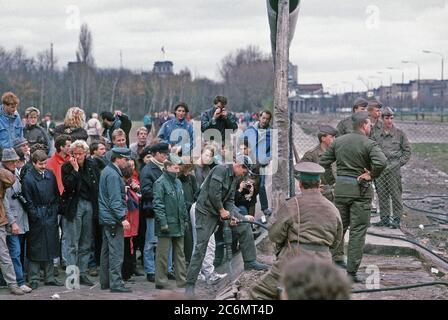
[
  {"x": 262, "y": 194},
  {"x": 13, "y": 243},
  {"x": 150, "y": 245}
]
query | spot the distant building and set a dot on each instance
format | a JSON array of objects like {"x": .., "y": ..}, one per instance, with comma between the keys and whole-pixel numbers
[{"x": 163, "y": 68}]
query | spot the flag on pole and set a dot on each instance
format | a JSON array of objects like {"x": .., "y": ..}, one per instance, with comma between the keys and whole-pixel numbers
[{"x": 163, "y": 49}]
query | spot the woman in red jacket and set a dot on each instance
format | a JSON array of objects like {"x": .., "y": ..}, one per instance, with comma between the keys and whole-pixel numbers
[{"x": 132, "y": 199}]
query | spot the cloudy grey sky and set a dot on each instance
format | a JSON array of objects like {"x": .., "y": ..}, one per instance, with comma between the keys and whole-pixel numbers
[{"x": 335, "y": 41}]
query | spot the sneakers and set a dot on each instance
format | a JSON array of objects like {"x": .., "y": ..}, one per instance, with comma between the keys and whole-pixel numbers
[
  {"x": 216, "y": 277},
  {"x": 267, "y": 212},
  {"x": 255, "y": 265},
  {"x": 25, "y": 288},
  {"x": 16, "y": 290}
]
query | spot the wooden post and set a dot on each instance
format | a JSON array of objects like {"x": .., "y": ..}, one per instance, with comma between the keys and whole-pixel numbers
[{"x": 280, "y": 180}]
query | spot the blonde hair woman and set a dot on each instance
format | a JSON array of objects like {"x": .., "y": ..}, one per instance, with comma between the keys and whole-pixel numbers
[{"x": 74, "y": 124}]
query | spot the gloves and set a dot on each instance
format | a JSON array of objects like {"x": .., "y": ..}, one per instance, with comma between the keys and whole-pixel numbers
[{"x": 164, "y": 229}]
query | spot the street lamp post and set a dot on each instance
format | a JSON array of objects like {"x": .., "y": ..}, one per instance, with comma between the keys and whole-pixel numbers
[
  {"x": 418, "y": 82},
  {"x": 441, "y": 77}
]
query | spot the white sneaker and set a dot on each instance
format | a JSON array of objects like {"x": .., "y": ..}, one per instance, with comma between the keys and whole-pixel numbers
[
  {"x": 216, "y": 277},
  {"x": 25, "y": 288}
]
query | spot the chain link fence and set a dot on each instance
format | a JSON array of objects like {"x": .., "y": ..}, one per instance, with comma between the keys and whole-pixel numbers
[{"x": 416, "y": 191}]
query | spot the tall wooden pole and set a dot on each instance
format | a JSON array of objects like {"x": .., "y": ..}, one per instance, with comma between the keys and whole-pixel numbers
[{"x": 280, "y": 185}]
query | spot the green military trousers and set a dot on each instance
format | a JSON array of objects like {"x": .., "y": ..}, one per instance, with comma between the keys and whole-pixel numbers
[
  {"x": 389, "y": 188},
  {"x": 355, "y": 213},
  {"x": 163, "y": 248}
]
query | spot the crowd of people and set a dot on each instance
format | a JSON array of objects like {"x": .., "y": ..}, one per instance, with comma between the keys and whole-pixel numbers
[{"x": 80, "y": 194}]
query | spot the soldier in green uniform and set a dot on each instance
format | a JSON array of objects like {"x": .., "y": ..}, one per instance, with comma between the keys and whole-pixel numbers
[
  {"x": 326, "y": 137},
  {"x": 358, "y": 161},
  {"x": 374, "y": 110},
  {"x": 346, "y": 125},
  {"x": 216, "y": 201},
  {"x": 307, "y": 224},
  {"x": 395, "y": 145}
]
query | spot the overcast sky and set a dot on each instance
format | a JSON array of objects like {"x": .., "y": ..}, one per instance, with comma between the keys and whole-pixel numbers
[{"x": 335, "y": 41}]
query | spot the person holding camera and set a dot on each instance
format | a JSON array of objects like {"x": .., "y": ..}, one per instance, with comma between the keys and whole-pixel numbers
[{"x": 218, "y": 117}]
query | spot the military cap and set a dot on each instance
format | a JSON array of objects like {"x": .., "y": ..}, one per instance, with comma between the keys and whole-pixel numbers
[
  {"x": 19, "y": 142},
  {"x": 160, "y": 147},
  {"x": 359, "y": 117},
  {"x": 360, "y": 102},
  {"x": 8, "y": 154},
  {"x": 308, "y": 171},
  {"x": 387, "y": 112},
  {"x": 375, "y": 104},
  {"x": 122, "y": 152},
  {"x": 326, "y": 129}
]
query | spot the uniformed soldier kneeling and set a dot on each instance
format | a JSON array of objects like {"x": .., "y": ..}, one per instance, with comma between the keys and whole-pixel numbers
[{"x": 307, "y": 224}]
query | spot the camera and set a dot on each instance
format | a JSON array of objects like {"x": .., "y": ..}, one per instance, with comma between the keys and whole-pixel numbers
[{"x": 20, "y": 197}]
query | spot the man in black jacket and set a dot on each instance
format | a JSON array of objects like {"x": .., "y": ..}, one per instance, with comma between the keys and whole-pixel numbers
[
  {"x": 80, "y": 177},
  {"x": 149, "y": 174},
  {"x": 112, "y": 122},
  {"x": 219, "y": 118}
]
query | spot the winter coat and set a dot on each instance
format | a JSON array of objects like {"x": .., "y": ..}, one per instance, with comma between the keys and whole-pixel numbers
[
  {"x": 190, "y": 188},
  {"x": 112, "y": 196},
  {"x": 7, "y": 179},
  {"x": 169, "y": 206},
  {"x": 42, "y": 195},
  {"x": 74, "y": 133},
  {"x": 49, "y": 129},
  {"x": 167, "y": 129},
  {"x": 221, "y": 124},
  {"x": 15, "y": 208},
  {"x": 72, "y": 184},
  {"x": 36, "y": 134},
  {"x": 149, "y": 174},
  {"x": 132, "y": 203}
]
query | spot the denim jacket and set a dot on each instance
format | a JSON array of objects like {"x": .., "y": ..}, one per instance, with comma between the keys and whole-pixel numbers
[
  {"x": 11, "y": 128},
  {"x": 168, "y": 127}
]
